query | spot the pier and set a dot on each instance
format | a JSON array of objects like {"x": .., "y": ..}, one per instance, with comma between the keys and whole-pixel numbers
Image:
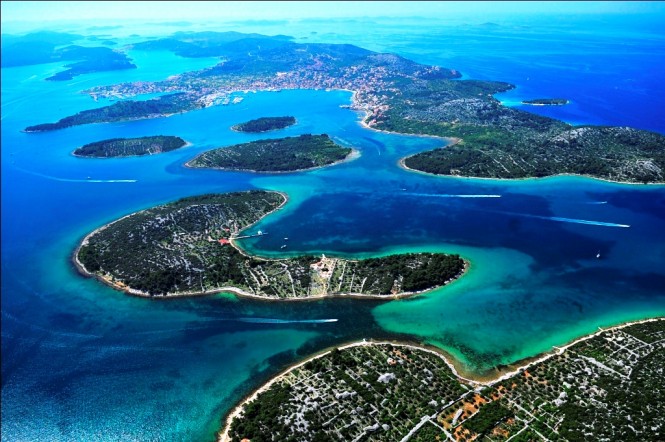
[{"x": 260, "y": 233}]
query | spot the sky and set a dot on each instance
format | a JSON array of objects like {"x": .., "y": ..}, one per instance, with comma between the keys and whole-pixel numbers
[{"x": 43, "y": 11}]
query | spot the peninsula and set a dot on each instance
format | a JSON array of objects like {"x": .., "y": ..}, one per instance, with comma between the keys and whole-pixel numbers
[
  {"x": 397, "y": 95},
  {"x": 607, "y": 386},
  {"x": 125, "y": 110},
  {"x": 188, "y": 247},
  {"x": 264, "y": 124},
  {"x": 125, "y": 147},
  {"x": 275, "y": 155},
  {"x": 546, "y": 102}
]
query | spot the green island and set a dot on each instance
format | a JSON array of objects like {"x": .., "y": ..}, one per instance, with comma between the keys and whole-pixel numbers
[
  {"x": 125, "y": 110},
  {"x": 397, "y": 95},
  {"x": 187, "y": 247},
  {"x": 125, "y": 147},
  {"x": 275, "y": 155},
  {"x": 264, "y": 124},
  {"x": 607, "y": 386},
  {"x": 546, "y": 102}
]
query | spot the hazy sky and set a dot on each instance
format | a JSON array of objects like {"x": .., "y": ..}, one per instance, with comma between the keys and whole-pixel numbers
[{"x": 36, "y": 11}]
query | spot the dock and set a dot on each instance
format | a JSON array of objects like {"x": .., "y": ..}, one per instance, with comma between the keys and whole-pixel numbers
[{"x": 249, "y": 236}]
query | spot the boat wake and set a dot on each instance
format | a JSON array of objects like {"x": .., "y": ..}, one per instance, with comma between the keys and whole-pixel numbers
[
  {"x": 448, "y": 195},
  {"x": 73, "y": 180},
  {"x": 568, "y": 220},
  {"x": 284, "y": 321},
  {"x": 584, "y": 221}
]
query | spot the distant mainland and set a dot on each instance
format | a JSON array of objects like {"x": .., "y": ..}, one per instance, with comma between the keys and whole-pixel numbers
[{"x": 397, "y": 95}]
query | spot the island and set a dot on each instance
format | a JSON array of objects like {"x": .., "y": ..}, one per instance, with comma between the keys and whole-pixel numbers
[
  {"x": 607, "y": 386},
  {"x": 125, "y": 147},
  {"x": 546, "y": 102},
  {"x": 264, "y": 124},
  {"x": 188, "y": 247},
  {"x": 397, "y": 95},
  {"x": 125, "y": 110},
  {"x": 49, "y": 47},
  {"x": 288, "y": 154}
]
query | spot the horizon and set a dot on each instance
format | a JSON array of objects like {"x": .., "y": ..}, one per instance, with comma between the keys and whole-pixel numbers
[{"x": 31, "y": 16}]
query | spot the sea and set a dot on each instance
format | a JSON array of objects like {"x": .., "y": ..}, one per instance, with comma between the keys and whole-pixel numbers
[{"x": 550, "y": 259}]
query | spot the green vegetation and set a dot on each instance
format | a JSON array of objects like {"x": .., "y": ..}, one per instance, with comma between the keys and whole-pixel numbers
[
  {"x": 546, "y": 102},
  {"x": 265, "y": 124},
  {"x": 618, "y": 154},
  {"x": 379, "y": 392},
  {"x": 487, "y": 418},
  {"x": 499, "y": 142},
  {"x": 429, "y": 433},
  {"x": 184, "y": 248},
  {"x": 411, "y": 272},
  {"x": 125, "y": 110},
  {"x": 264, "y": 414},
  {"x": 275, "y": 155},
  {"x": 398, "y": 95},
  {"x": 123, "y": 147}
]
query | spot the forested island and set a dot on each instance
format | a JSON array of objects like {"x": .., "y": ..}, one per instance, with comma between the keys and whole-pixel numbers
[
  {"x": 607, "y": 386},
  {"x": 125, "y": 147},
  {"x": 125, "y": 110},
  {"x": 546, "y": 102},
  {"x": 187, "y": 247},
  {"x": 397, "y": 95},
  {"x": 264, "y": 124},
  {"x": 275, "y": 155}
]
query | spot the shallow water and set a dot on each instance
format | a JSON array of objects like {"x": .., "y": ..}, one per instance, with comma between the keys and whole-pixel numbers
[{"x": 82, "y": 361}]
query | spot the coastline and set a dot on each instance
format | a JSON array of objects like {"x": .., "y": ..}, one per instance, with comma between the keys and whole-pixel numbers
[
  {"x": 235, "y": 129},
  {"x": 575, "y": 175},
  {"x": 353, "y": 155},
  {"x": 454, "y": 140},
  {"x": 187, "y": 144},
  {"x": 453, "y": 364},
  {"x": 236, "y": 290}
]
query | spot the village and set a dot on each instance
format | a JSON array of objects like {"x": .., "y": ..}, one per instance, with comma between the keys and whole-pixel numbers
[{"x": 607, "y": 386}]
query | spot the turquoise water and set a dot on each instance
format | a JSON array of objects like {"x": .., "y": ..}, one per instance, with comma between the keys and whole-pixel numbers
[{"x": 82, "y": 361}]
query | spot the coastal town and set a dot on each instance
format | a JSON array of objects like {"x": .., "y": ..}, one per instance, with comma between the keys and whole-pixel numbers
[
  {"x": 606, "y": 386},
  {"x": 399, "y": 95}
]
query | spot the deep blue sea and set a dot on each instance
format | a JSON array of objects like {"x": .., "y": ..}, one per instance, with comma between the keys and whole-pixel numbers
[{"x": 81, "y": 361}]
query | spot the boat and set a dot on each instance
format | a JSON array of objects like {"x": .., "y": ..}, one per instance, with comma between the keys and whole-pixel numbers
[
  {"x": 286, "y": 239},
  {"x": 598, "y": 255},
  {"x": 283, "y": 246}
]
